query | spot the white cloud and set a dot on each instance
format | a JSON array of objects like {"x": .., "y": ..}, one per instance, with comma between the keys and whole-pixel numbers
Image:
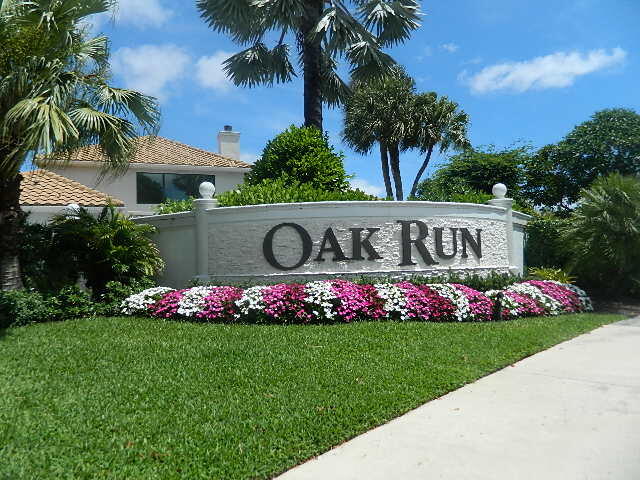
[
  {"x": 450, "y": 47},
  {"x": 210, "y": 73},
  {"x": 367, "y": 187},
  {"x": 151, "y": 69},
  {"x": 142, "y": 13},
  {"x": 427, "y": 51},
  {"x": 249, "y": 157},
  {"x": 556, "y": 70}
]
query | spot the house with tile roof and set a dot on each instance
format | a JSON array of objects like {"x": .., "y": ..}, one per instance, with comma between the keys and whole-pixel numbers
[
  {"x": 45, "y": 194},
  {"x": 160, "y": 169}
]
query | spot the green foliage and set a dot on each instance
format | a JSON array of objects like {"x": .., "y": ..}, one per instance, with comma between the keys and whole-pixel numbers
[
  {"x": 544, "y": 245},
  {"x": 608, "y": 142},
  {"x": 470, "y": 176},
  {"x": 285, "y": 191},
  {"x": 149, "y": 399},
  {"x": 603, "y": 235},
  {"x": 44, "y": 268},
  {"x": 555, "y": 274},
  {"x": 115, "y": 292},
  {"x": 110, "y": 247},
  {"x": 71, "y": 302},
  {"x": 301, "y": 155},
  {"x": 174, "y": 206},
  {"x": 23, "y": 307}
]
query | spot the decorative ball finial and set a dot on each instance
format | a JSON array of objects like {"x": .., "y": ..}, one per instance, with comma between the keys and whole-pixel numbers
[
  {"x": 499, "y": 190},
  {"x": 207, "y": 190}
]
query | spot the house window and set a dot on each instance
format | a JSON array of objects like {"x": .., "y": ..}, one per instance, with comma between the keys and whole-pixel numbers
[{"x": 158, "y": 187}]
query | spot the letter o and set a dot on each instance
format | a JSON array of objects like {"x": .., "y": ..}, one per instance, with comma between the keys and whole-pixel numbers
[{"x": 267, "y": 246}]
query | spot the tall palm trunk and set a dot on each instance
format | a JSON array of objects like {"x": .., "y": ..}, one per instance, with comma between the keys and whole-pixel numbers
[
  {"x": 394, "y": 153},
  {"x": 312, "y": 65},
  {"x": 11, "y": 216},
  {"x": 420, "y": 172},
  {"x": 384, "y": 160}
]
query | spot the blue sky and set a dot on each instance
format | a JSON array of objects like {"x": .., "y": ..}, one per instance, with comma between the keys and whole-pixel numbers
[{"x": 524, "y": 70}]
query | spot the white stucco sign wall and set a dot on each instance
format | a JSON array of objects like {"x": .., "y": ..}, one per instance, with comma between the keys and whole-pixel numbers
[{"x": 315, "y": 240}]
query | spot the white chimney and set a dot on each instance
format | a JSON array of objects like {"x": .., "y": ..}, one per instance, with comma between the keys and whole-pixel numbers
[{"x": 229, "y": 143}]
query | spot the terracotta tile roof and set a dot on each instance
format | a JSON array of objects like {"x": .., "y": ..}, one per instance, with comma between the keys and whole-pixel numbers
[
  {"x": 42, "y": 187},
  {"x": 162, "y": 151}
]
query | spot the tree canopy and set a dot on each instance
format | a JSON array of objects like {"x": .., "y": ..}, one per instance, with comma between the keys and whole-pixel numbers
[{"x": 608, "y": 142}]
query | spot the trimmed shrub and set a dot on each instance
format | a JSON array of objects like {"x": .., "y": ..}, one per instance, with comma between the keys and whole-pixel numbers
[
  {"x": 24, "y": 307},
  {"x": 71, "y": 302},
  {"x": 174, "y": 206},
  {"x": 284, "y": 191},
  {"x": 301, "y": 155}
]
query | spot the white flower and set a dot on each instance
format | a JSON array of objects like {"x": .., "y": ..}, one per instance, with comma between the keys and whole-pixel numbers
[
  {"x": 585, "y": 301},
  {"x": 459, "y": 299},
  {"x": 251, "y": 300},
  {"x": 394, "y": 298},
  {"x": 139, "y": 302},
  {"x": 192, "y": 301},
  {"x": 550, "y": 305},
  {"x": 321, "y": 297}
]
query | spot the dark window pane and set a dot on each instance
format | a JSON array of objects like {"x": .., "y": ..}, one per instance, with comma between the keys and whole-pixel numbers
[
  {"x": 181, "y": 186},
  {"x": 150, "y": 187}
]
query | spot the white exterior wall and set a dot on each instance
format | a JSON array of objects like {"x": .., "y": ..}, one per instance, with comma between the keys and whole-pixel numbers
[
  {"x": 124, "y": 187},
  {"x": 236, "y": 235}
]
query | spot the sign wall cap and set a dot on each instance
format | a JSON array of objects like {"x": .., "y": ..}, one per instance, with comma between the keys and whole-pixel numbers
[
  {"x": 499, "y": 190},
  {"x": 207, "y": 190}
]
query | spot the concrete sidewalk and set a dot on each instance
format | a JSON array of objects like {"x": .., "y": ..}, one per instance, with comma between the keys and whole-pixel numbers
[{"x": 570, "y": 412}]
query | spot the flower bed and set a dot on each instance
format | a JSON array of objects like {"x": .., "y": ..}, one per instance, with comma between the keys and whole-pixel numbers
[{"x": 345, "y": 301}]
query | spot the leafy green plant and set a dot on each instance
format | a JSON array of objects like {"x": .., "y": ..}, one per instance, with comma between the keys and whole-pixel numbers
[
  {"x": 174, "y": 206},
  {"x": 544, "y": 246},
  {"x": 603, "y": 235},
  {"x": 478, "y": 170},
  {"x": 115, "y": 292},
  {"x": 301, "y": 155},
  {"x": 71, "y": 302},
  {"x": 107, "y": 247},
  {"x": 23, "y": 307},
  {"x": 555, "y": 274},
  {"x": 284, "y": 191}
]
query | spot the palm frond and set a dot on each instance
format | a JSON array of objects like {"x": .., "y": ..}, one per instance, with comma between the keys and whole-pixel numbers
[
  {"x": 258, "y": 65},
  {"x": 392, "y": 21}
]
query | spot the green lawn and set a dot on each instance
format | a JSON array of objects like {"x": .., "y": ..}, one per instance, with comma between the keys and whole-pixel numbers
[{"x": 138, "y": 398}]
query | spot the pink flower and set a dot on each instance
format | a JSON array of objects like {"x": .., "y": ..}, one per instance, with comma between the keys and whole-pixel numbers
[
  {"x": 167, "y": 306},
  {"x": 220, "y": 304}
]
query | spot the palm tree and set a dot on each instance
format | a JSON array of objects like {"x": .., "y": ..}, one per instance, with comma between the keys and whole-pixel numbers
[
  {"x": 603, "y": 235},
  {"x": 381, "y": 111},
  {"x": 438, "y": 121},
  {"x": 54, "y": 98},
  {"x": 322, "y": 30}
]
